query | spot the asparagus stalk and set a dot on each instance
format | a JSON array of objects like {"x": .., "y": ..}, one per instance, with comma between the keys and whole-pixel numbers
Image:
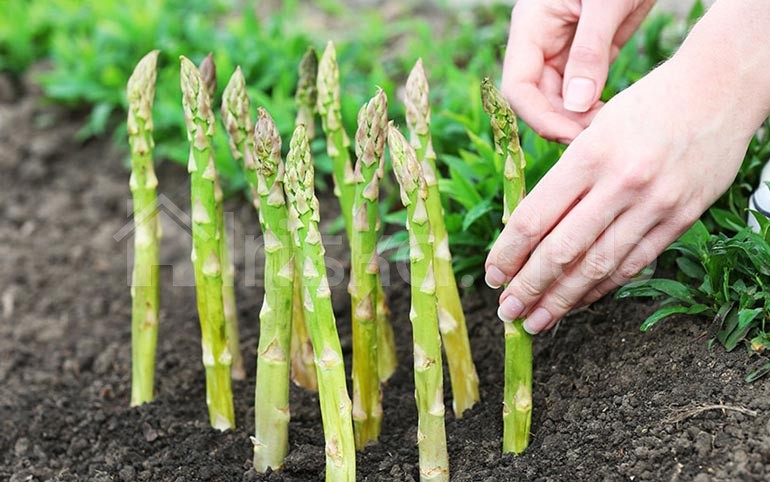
[
  {"x": 370, "y": 149},
  {"x": 259, "y": 152},
  {"x": 144, "y": 283},
  {"x": 208, "y": 71},
  {"x": 454, "y": 332},
  {"x": 206, "y": 254},
  {"x": 517, "y": 396},
  {"x": 302, "y": 364},
  {"x": 332, "y": 392},
  {"x": 337, "y": 145},
  {"x": 428, "y": 376}
]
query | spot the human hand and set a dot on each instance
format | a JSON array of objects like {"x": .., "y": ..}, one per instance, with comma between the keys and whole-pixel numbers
[
  {"x": 558, "y": 57},
  {"x": 651, "y": 162}
]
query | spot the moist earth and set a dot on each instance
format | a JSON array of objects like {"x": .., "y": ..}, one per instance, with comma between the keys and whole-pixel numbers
[{"x": 610, "y": 403}]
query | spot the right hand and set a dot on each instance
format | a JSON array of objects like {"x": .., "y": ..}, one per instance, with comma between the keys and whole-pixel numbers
[{"x": 558, "y": 57}]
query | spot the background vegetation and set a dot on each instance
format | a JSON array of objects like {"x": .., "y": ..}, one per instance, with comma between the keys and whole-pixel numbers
[{"x": 85, "y": 51}]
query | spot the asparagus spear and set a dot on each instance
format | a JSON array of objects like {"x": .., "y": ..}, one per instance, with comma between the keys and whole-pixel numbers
[
  {"x": 454, "y": 332},
  {"x": 337, "y": 144},
  {"x": 370, "y": 149},
  {"x": 144, "y": 282},
  {"x": 206, "y": 255},
  {"x": 302, "y": 364},
  {"x": 259, "y": 152},
  {"x": 428, "y": 376},
  {"x": 208, "y": 71},
  {"x": 332, "y": 392},
  {"x": 517, "y": 396}
]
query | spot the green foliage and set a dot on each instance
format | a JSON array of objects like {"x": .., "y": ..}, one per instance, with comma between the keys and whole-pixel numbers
[{"x": 726, "y": 278}]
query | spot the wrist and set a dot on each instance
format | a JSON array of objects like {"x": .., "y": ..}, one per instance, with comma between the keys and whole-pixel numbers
[{"x": 724, "y": 60}]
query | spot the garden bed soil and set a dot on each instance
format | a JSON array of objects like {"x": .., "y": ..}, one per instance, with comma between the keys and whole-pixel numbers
[{"x": 608, "y": 400}]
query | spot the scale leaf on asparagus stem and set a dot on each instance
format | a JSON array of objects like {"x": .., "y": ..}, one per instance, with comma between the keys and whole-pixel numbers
[
  {"x": 145, "y": 295},
  {"x": 332, "y": 391},
  {"x": 302, "y": 363},
  {"x": 364, "y": 267},
  {"x": 258, "y": 150},
  {"x": 428, "y": 372},
  {"x": 454, "y": 332},
  {"x": 337, "y": 145},
  {"x": 206, "y": 253},
  {"x": 517, "y": 396},
  {"x": 208, "y": 72}
]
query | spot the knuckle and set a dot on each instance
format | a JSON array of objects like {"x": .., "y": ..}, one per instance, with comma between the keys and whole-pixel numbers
[
  {"x": 585, "y": 54},
  {"x": 563, "y": 252},
  {"x": 525, "y": 223},
  {"x": 526, "y": 288},
  {"x": 558, "y": 303},
  {"x": 637, "y": 176},
  {"x": 630, "y": 269},
  {"x": 597, "y": 266}
]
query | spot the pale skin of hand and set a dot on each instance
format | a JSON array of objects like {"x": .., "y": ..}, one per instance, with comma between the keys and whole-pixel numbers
[{"x": 641, "y": 169}]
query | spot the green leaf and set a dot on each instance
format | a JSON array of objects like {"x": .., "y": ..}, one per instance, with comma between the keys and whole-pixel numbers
[
  {"x": 477, "y": 211},
  {"x": 690, "y": 268},
  {"x": 667, "y": 311},
  {"x": 727, "y": 220},
  {"x": 758, "y": 373},
  {"x": 659, "y": 287}
]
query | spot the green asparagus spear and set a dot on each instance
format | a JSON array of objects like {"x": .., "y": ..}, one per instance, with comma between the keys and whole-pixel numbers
[
  {"x": 306, "y": 96},
  {"x": 206, "y": 255},
  {"x": 428, "y": 376},
  {"x": 337, "y": 144},
  {"x": 364, "y": 267},
  {"x": 271, "y": 404},
  {"x": 454, "y": 332},
  {"x": 302, "y": 364},
  {"x": 259, "y": 152},
  {"x": 517, "y": 396},
  {"x": 208, "y": 71},
  {"x": 144, "y": 282},
  {"x": 330, "y": 370}
]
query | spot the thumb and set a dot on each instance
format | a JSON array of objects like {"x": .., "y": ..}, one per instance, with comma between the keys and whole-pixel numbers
[{"x": 589, "y": 57}]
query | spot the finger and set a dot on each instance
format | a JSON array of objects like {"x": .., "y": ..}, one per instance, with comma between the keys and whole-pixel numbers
[
  {"x": 640, "y": 257},
  {"x": 554, "y": 256},
  {"x": 551, "y": 86},
  {"x": 535, "y": 216},
  {"x": 589, "y": 57},
  {"x": 522, "y": 70},
  {"x": 599, "y": 263}
]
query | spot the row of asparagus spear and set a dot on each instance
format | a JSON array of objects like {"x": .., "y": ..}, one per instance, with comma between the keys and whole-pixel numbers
[{"x": 298, "y": 333}]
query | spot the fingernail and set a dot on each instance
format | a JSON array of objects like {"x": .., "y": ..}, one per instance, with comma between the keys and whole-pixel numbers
[
  {"x": 495, "y": 278},
  {"x": 580, "y": 94},
  {"x": 537, "y": 321},
  {"x": 510, "y": 309}
]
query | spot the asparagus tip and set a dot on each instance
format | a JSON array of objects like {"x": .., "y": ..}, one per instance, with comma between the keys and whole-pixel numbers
[{"x": 417, "y": 102}]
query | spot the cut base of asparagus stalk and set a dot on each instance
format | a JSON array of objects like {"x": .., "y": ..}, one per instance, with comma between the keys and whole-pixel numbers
[
  {"x": 454, "y": 332},
  {"x": 206, "y": 254},
  {"x": 145, "y": 295},
  {"x": 428, "y": 376},
  {"x": 517, "y": 394},
  {"x": 319, "y": 314}
]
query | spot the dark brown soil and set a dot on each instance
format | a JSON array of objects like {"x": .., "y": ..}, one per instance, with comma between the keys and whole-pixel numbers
[{"x": 606, "y": 396}]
